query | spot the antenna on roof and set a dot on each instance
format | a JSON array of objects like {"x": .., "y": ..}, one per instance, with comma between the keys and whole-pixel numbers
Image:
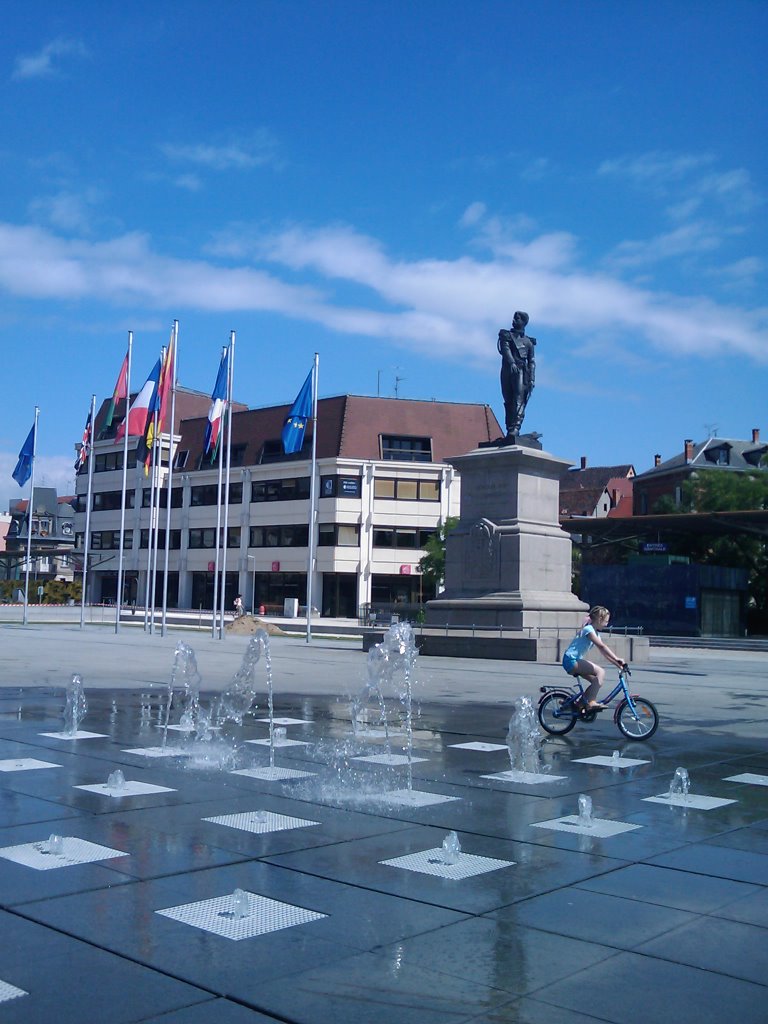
[
  {"x": 711, "y": 429},
  {"x": 398, "y": 381}
]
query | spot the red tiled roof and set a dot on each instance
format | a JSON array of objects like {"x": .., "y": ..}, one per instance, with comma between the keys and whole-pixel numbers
[{"x": 349, "y": 426}]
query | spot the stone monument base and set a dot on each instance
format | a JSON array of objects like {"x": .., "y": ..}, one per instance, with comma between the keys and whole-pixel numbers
[{"x": 508, "y": 562}]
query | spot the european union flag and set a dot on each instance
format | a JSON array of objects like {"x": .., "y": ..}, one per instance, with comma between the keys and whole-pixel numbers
[
  {"x": 23, "y": 470},
  {"x": 296, "y": 421}
]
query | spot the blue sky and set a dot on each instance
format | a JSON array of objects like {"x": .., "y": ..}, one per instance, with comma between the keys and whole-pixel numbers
[{"x": 386, "y": 183}]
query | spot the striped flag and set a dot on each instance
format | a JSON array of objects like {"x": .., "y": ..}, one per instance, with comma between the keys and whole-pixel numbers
[
  {"x": 85, "y": 446},
  {"x": 119, "y": 394},
  {"x": 218, "y": 405}
]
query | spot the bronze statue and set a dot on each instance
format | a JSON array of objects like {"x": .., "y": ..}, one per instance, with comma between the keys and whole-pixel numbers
[{"x": 518, "y": 371}]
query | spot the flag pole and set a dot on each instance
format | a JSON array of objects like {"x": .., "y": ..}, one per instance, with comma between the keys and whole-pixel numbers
[
  {"x": 154, "y": 516},
  {"x": 88, "y": 510},
  {"x": 312, "y": 499},
  {"x": 29, "y": 519},
  {"x": 119, "y": 602},
  {"x": 169, "y": 492},
  {"x": 231, "y": 377},
  {"x": 217, "y": 545}
]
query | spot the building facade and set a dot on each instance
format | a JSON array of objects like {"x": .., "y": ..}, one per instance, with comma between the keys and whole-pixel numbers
[
  {"x": 666, "y": 478},
  {"x": 383, "y": 487}
]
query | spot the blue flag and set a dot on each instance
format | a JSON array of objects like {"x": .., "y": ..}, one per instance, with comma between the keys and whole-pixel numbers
[
  {"x": 296, "y": 421},
  {"x": 23, "y": 470}
]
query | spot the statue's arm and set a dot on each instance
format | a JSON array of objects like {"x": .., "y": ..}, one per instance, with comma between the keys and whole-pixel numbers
[
  {"x": 504, "y": 346},
  {"x": 531, "y": 365}
]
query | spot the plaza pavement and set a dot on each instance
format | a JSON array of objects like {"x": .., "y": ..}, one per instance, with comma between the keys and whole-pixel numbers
[{"x": 667, "y": 920}]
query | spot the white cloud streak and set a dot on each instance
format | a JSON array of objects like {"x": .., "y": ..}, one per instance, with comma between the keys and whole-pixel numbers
[
  {"x": 258, "y": 150},
  {"x": 45, "y": 63},
  {"x": 446, "y": 308}
]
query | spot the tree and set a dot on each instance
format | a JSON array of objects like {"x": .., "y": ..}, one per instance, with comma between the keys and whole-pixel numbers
[{"x": 432, "y": 564}]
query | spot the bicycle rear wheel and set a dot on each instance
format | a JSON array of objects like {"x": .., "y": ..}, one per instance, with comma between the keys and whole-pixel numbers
[
  {"x": 641, "y": 724},
  {"x": 548, "y": 709}
]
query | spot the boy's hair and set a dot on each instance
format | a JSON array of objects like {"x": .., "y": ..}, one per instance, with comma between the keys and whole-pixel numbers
[{"x": 598, "y": 612}]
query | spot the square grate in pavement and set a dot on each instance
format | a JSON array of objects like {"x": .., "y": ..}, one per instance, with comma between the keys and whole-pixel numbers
[
  {"x": 417, "y": 798},
  {"x": 273, "y": 774},
  {"x": 81, "y": 734},
  {"x": 601, "y": 828},
  {"x": 73, "y": 851},
  {"x": 287, "y": 721},
  {"x": 261, "y": 821},
  {"x": 430, "y": 862},
  {"x": 698, "y": 803},
  {"x": 478, "y": 745},
  {"x": 285, "y": 742},
  {"x": 610, "y": 762},
  {"x": 8, "y": 991},
  {"x": 24, "y": 764},
  {"x": 159, "y": 752},
  {"x": 525, "y": 778},
  {"x": 128, "y": 789},
  {"x": 218, "y": 915},
  {"x": 749, "y": 779},
  {"x": 392, "y": 759}
]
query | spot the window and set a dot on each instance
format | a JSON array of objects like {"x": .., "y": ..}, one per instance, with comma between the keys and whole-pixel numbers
[
  {"x": 175, "y": 542},
  {"x": 279, "y": 536},
  {"x": 406, "y": 449},
  {"x": 272, "y": 451},
  {"x": 402, "y": 537},
  {"x": 104, "y": 501},
  {"x": 202, "y": 538},
  {"x": 340, "y": 487},
  {"x": 384, "y": 488},
  {"x": 108, "y": 540},
  {"x": 181, "y": 459},
  {"x": 292, "y": 489},
  {"x": 108, "y": 461},
  {"x": 177, "y": 495},
  {"x": 236, "y": 457},
  {"x": 208, "y": 494},
  {"x": 338, "y": 535},
  {"x": 406, "y": 490}
]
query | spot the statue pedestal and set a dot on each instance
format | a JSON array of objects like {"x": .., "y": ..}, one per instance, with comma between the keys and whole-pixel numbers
[{"x": 508, "y": 562}]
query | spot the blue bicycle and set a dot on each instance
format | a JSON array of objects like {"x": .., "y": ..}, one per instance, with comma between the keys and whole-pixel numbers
[{"x": 560, "y": 708}]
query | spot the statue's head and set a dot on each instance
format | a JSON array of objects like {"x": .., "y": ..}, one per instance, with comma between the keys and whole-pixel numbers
[{"x": 520, "y": 321}]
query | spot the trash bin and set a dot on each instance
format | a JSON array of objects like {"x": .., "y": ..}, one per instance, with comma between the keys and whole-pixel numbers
[{"x": 290, "y": 607}]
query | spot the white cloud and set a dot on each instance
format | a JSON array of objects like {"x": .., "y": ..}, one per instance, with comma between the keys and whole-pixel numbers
[
  {"x": 45, "y": 63},
  {"x": 449, "y": 308},
  {"x": 258, "y": 150},
  {"x": 656, "y": 167},
  {"x": 473, "y": 214},
  {"x": 685, "y": 240},
  {"x": 67, "y": 210}
]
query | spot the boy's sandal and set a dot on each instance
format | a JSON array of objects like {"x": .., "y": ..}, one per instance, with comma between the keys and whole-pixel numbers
[{"x": 597, "y": 707}]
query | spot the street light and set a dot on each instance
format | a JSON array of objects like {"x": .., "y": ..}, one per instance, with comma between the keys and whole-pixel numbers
[{"x": 252, "y": 558}]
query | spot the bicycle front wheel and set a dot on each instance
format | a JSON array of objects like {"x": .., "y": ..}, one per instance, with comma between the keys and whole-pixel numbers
[
  {"x": 550, "y": 718},
  {"x": 639, "y": 724}
]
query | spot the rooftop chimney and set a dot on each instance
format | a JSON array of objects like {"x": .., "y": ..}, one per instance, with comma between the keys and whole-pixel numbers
[
  {"x": 657, "y": 460},
  {"x": 583, "y": 462},
  {"x": 755, "y": 435},
  {"x": 688, "y": 449}
]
